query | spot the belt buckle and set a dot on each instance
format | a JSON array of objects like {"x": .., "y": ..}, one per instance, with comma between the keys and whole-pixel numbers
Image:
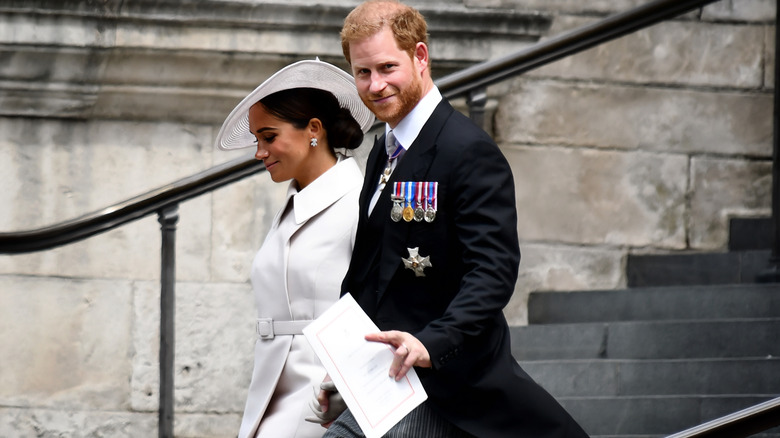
[{"x": 265, "y": 328}]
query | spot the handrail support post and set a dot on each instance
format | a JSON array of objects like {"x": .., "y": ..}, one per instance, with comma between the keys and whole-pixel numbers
[
  {"x": 771, "y": 274},
  {"x": 168, "y": 217},
  {"x": 477, "y": 100}
]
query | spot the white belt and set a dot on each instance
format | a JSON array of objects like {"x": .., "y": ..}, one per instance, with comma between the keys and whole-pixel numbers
[{"x": 267, "y": 328}]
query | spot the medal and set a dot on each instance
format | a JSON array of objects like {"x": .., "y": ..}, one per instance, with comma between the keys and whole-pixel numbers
[
  {"x": 408, "y": 213},
  {"x": 430, "y": 210},
  {"x": 416, "y": 263},
  {"x": 385, "y": 175},
  {"x": 418, "y": 210},
  {"x": 396, "y": 212}
]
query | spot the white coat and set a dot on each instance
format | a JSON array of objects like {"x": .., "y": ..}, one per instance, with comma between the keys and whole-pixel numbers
[{"x": 296, "y": 275}]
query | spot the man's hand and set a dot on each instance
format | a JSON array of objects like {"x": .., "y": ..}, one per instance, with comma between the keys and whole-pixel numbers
[{"x": 409, "y": 351}]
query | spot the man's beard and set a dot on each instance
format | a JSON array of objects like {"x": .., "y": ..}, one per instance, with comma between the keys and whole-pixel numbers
[{"x": 407, "y": 99}]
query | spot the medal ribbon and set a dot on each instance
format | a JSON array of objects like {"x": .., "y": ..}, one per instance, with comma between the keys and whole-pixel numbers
[
  {"x": 396, "y": 153},
  {"x": 432, "y": 196}
]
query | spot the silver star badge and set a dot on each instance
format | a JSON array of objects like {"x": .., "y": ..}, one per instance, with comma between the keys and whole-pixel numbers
[{"x": 416, "y": 263}]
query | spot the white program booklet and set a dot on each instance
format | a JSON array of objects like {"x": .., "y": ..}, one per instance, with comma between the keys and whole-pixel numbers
[{"x": 359, "y": 368}]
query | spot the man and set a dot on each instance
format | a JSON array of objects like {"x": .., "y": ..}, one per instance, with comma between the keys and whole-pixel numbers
[{"x": 436, "y": 252}]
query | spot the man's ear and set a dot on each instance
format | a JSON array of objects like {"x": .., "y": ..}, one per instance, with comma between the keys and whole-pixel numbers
[{"x": 421, "y": 56}]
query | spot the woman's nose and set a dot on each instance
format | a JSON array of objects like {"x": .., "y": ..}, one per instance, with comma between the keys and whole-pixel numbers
[{"x": 261, "y": 153}]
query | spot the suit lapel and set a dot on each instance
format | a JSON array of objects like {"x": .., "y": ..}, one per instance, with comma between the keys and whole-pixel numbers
[
  {"x": 413, "y": 167},
  {"x": 374, "y": 165},
  {"x": 366, "y": 249}
]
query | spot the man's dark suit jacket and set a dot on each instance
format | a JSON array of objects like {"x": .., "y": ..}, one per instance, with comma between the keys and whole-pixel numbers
[{"x": 455, "y": 310}]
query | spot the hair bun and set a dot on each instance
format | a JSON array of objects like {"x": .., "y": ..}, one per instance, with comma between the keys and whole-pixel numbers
[{"x": 348, "y": 129}]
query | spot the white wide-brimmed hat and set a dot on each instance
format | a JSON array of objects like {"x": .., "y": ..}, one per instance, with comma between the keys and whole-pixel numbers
[{"x": 235, "y": 134}]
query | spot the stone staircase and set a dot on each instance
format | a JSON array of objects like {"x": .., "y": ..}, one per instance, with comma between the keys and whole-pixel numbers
[
  {"x": 748, "y": 252},
  {"x": 651, "y": 361}
]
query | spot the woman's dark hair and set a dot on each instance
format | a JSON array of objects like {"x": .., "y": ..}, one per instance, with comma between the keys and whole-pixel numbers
[{"x": 299, "y": 105}]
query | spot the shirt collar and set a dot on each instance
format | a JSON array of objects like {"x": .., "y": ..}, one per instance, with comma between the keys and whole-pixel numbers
[{"x": 410, "y": 126}]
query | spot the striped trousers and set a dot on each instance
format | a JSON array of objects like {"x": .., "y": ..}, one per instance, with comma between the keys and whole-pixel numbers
[{"x": 421, "y": 422}]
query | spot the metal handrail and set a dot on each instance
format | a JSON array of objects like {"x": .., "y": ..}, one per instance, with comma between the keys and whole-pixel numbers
[
  {"x": 771, "y": 274},
  {"x": 577, "y": 40},
  {"x": 471, "y": 82},
  {"x": 130, "y": 210},
  {"x": 740, "y": 424},
  {"x": 163, "y": 201}
]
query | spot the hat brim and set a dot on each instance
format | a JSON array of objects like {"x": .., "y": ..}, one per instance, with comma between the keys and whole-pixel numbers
[{"x": 235, "y": 134}]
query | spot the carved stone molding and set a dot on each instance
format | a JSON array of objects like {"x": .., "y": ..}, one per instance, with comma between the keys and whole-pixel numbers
[{"x": 192, "y": 60}]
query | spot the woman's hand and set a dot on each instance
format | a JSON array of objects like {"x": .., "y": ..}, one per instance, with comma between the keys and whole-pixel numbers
[{"x": 327, "y": 404}]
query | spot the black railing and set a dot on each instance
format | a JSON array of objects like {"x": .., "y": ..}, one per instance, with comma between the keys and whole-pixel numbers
[
  {"x": 772, "y": 272},
  {"x": 481, "y": 75},
  {"x": 740, "y": 424},
  {"x": 130, "y": 210},
  {"x": 163, "y": 201},
  {"x": 471, "y": 83}
]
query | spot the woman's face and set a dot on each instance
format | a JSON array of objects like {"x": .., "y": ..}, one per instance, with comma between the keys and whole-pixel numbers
[{"x": 284, "y": 149}]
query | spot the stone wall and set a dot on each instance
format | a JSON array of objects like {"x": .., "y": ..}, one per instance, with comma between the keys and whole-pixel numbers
[{"x": 646, "y": 144}]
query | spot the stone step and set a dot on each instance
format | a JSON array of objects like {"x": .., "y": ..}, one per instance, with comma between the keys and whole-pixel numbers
[
  {"x": 651, "y": 270},
  {"x": 775, "y": 434},
  {"x": 770, "y": 434},
  {"x": 750, "y": 233},
  {"x": 728, "y": 338},
  {"x": 737, "y": 301},
  {"x": 654, "y": 416},
  {"x": 628, "y": 436},
  {"x": 624, "y": 377}
]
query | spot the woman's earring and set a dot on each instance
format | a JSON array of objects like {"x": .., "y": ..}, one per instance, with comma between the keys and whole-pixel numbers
[{"x": 313, "y": 142}]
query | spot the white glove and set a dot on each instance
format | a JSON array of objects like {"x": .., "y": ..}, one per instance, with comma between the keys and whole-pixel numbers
[{"x": 336, "y": 405}]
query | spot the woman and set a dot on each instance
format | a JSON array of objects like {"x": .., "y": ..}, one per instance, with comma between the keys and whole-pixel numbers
[{"x": 296, "y": 119}]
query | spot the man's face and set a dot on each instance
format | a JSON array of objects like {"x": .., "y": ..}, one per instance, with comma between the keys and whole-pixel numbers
[{"x": 388, "y": 81}]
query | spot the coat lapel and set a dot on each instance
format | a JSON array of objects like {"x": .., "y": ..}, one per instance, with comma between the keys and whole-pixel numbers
[
  {"x": 326, "y": 190},
  {"x": 323, "y": 192}
]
